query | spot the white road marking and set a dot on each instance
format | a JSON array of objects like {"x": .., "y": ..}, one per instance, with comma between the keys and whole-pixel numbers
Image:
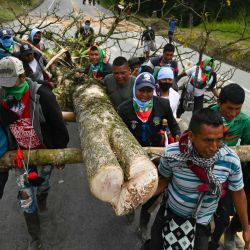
[{"x": 51, "y": 4}]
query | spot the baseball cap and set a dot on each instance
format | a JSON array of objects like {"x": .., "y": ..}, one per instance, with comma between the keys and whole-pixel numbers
[
  {"x": 165, "y": 73},
  {"x": 145, "y": 79},
  {"x": 26, "y": 49},
  {"x": 5, "y": 33},
  {"x": 10, "y": 69}
]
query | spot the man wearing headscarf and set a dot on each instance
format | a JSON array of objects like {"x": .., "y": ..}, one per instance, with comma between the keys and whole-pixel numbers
[
  {"x": 33, "y": 119},
  {"x": 6, "y": 43},
  {"x": 35, "y": 38},
  {"x": 144, "y": 116},
  {"x": 201, "y": 78},
  {"x": 99, "y": 66}
]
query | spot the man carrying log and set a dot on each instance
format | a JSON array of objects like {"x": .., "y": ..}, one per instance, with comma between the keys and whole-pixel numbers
[
  {"x": 144, "y": 116},
  {"x": 237, "y": 127},
  {"x": 31, "y": 116},
  {"x": 197, "y": 171},
  {"x": 119, "y": 84}
]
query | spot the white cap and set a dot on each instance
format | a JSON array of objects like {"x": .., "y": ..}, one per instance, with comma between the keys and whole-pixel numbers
[
  {"x": 164, "y": 73},
  {"x": 10, "y": 69}
]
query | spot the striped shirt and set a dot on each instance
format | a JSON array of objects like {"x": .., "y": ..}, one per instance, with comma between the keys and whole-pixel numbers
[{"x": 182, "y": 190}]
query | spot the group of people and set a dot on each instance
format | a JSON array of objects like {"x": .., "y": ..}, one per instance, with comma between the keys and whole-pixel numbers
[
  {"x": 200, "y": 177},
  {"x": 30, "y": 118}
]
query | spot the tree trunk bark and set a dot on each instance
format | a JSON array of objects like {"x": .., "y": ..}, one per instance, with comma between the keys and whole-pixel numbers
[
  {"x": 119, "y": 170},
  {"x": 41, "y": 157}
]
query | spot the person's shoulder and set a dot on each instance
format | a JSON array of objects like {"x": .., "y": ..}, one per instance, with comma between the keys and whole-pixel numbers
[
  {"x": 174, "y": 93},
  {"x": 108, "y": 78},
  {"x": 228, "y": 155},
  {"x": 125, "y": 106},
  {"x": 160, "y": 100},
  {"x": 172, "y": 148},
  {"x": 155, "y": 60}
]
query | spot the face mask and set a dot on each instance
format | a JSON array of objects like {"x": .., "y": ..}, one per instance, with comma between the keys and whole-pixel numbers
[
  {"x": 165, "y": 86},
  {"x": 208, "y": 68},
  {"x": 36, "y": 41},
  {"x": 7, "y": 42},
  {"x": 86, "y": 26}
]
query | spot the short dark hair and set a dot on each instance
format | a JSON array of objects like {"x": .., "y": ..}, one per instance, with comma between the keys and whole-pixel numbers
[
  {"x": 204, "y": 116},
  {"x": 87, "y": 21},
  {"x": 169, "y": 47},
  {"x": 120, "y": 61},
  {"x": 233, "y": 93},
  {"x": 93, "y": 48}
]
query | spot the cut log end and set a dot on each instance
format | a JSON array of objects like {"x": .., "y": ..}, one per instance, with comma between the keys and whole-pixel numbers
[
  {"x": 136, "y": 191},
  {"x": 106, "y": 184}
]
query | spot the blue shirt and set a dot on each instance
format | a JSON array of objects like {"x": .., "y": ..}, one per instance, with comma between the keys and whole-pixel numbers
[
  {"x": 172, "y": 25},
  {"x": 3, "y": 142},
  {"x": 182, "y": 190}
]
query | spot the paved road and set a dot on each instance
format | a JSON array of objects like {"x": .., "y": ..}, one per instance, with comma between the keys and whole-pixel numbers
[{"x": 77, "y": 220}]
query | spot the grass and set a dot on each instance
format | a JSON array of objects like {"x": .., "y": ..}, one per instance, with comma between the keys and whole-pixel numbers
[
  {"x": 19, "y": 7},
  {"x": 237, "y": 54}
]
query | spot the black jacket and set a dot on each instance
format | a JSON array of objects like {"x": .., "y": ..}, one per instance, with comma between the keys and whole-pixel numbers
[
  {"x": 161, "y": 110},
  {"x": 51, "y": 127}
]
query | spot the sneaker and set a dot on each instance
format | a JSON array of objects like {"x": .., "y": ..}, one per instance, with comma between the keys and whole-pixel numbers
[{"x": 35, "y": 245}]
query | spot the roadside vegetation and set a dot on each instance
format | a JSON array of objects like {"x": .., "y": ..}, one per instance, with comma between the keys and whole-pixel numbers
[
  {"x": 18, "y": 6},
  {"x": 225, "y": 25}
]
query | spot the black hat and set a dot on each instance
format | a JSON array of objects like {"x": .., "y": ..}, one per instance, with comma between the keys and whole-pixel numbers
[{"x": 25, "y": 50}]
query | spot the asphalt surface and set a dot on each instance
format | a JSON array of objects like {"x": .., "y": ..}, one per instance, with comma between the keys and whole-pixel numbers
[{"x": 76, "y": 220}]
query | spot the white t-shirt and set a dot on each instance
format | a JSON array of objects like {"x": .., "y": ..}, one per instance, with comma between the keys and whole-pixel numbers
[
  {"x": 190, "y": 88},
  {"x": 174, "y": 99}
]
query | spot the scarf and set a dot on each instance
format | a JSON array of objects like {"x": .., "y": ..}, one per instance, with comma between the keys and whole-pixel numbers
[
  {"x": 206, "y": 75},
  {"x": 202, "y": 167},
  {"x": 16, "y": 91},
  {"x": 98, "y": 68},
  {"x": 143, "y": 112},
  {"x": 142, "y": 109}
]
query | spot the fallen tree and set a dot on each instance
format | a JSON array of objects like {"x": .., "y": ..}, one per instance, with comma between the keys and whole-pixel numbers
[{"x": 118, "y": 169}]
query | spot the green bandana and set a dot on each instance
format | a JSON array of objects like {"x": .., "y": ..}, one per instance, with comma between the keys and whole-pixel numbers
[{"x": 17, "y": 91}]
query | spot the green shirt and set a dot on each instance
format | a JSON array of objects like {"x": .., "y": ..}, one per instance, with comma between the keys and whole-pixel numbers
[
  {"x": 118, "y": 93},
  {"x": 235, "y": 129}
]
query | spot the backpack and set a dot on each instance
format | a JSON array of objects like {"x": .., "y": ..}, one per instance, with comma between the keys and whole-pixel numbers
[{"x": 149, "y": 35}]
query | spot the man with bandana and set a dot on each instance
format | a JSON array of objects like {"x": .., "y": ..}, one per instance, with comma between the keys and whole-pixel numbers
[
  {"x": 32, "y": 118},
  {"x": 236, "y": 130},
  {"x": 195, "y": 173},
  {"x": 35, "y": 38},
  {"x": 165, "y": 88},
  {"x": 6, "y": 43},
  {"x": 86, "y": 32},
  {"x": 201, "y": 78},
  {"x": 144, "y": 115}
]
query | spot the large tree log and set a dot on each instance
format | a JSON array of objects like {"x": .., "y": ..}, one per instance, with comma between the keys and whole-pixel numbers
[{"x": 119, "y": 170}]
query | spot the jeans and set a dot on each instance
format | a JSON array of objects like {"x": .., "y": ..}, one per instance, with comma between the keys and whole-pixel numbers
[
  {"x": 27, "y": 192},
  {"x": 3, "y": 179}
]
